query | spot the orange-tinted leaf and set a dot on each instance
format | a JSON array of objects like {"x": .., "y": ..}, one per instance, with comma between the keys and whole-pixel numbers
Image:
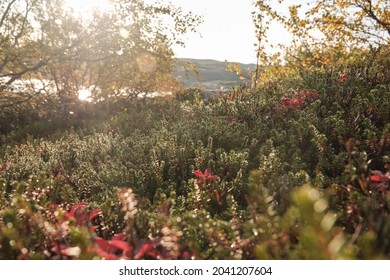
[
  {"x": 363, "y": 186},
  {"x": 122, "y": 245},
  {"x": 145, "y": 248},
  {"x": 119, "y": 236},
  {"x": 375, "y": 178},
  {"x": 94, "y": 214},
  {"x": 103, "y": 244}
]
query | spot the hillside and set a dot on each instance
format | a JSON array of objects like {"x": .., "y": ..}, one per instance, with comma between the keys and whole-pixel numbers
[{"x": 213, "y": 74}]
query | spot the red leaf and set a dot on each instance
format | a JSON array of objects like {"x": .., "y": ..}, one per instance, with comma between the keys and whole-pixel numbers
[
  {"x": 199, "y": 174},
  {"x": 94, "y": 214},
  {"x": 153, "y": 253},
  {"x": 119, "y": 236},
  {"x": 378, "y": 176},
  {"x": 144, "y": 248},
  {"x": 111, "y": 257},
  {"x": 103, "y": 244},
  {"x": 106, "y": 255},
  {"x": 53, "y": 206},
  {"x": 80, "y": 205},
  {"x": 119, "y": 244},
  {"x": 78, "y": 212},
  {"x": 199, "y": 182},
  {"x": 68, "y": 215},
  {"x": 186, "y": 255},
  {"x": 375, "y": 178},
  {"x": 212, "y": 178},
  {"x": 93, "y": 228}
]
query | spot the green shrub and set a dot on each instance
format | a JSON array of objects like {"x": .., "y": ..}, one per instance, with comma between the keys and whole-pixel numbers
[{"x": 220, "y": 180}]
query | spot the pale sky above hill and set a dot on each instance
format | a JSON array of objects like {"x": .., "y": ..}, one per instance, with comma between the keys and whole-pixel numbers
[{"x": 227, "y": 32}]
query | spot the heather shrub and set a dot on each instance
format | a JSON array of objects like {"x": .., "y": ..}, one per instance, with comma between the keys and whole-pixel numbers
[{"x": 294, "y": 169}]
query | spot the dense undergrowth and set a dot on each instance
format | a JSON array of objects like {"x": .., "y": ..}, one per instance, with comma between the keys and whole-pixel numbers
[{"x": 296, "y": 169}]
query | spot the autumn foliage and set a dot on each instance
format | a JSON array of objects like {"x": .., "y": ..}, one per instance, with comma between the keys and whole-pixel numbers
[{"x": 295, "y": 167}]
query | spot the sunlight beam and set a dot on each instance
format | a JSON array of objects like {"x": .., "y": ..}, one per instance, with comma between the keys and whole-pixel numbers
[{"x": 85, "y": 8}]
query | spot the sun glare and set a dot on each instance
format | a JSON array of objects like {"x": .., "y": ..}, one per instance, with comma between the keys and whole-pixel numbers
[
  {"x": 84, "y": 95},
  {"x": 85, "y": 7}
]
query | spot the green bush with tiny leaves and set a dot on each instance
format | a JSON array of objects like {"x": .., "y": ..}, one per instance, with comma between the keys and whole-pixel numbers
[{"x": 294, "y": 169}]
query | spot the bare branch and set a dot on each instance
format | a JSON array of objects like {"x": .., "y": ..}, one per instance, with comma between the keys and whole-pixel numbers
[
  {"x": 5, "y": 14},
  {"x": 371, "y": 14},
  {"x": 14, "y": 103}
]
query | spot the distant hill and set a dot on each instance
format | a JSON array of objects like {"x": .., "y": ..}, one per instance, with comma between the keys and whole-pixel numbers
[{"x": 213, "y": 74}]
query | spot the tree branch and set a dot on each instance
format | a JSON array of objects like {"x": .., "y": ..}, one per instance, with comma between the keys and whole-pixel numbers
[
  {"x": 6, "y": 12},
  {"x": 370, "y": 13}
]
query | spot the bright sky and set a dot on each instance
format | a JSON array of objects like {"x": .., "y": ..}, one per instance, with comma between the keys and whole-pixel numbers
[{"x": 227, "y": 32}]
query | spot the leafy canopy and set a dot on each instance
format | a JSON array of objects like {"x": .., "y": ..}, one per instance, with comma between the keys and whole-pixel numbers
[
  {"x": 45, "y": 48},
  {"x": 325, "y": 33}
]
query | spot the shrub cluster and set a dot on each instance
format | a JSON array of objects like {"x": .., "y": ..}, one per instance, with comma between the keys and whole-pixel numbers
[{"x": 270, "y": 173}]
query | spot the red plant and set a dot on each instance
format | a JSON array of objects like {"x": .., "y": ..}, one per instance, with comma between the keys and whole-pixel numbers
[
  {"x": 114, "y": 249},
  {"x": 378, "y": 177},
  {"x": 204, "y": 177},
  {"x": 147, "y": 248},
  {"x": 293, "y": 103},
  {"x": 81, "y": 217},
  {"x": 343, "y": 76},
  {"x": 65, "y": 250},
  {"x": 380, "y": 181},
  {"x": 79, "y": 213},
  {"x": 3, "y": 168},
  {"x": 117, "y": 248},
  {"x": 298, "y": 101}
]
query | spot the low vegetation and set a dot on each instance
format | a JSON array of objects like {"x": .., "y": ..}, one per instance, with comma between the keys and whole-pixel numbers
[
  {"x": 297, "y": 166},
  {"x": 267, "y": 173}
]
